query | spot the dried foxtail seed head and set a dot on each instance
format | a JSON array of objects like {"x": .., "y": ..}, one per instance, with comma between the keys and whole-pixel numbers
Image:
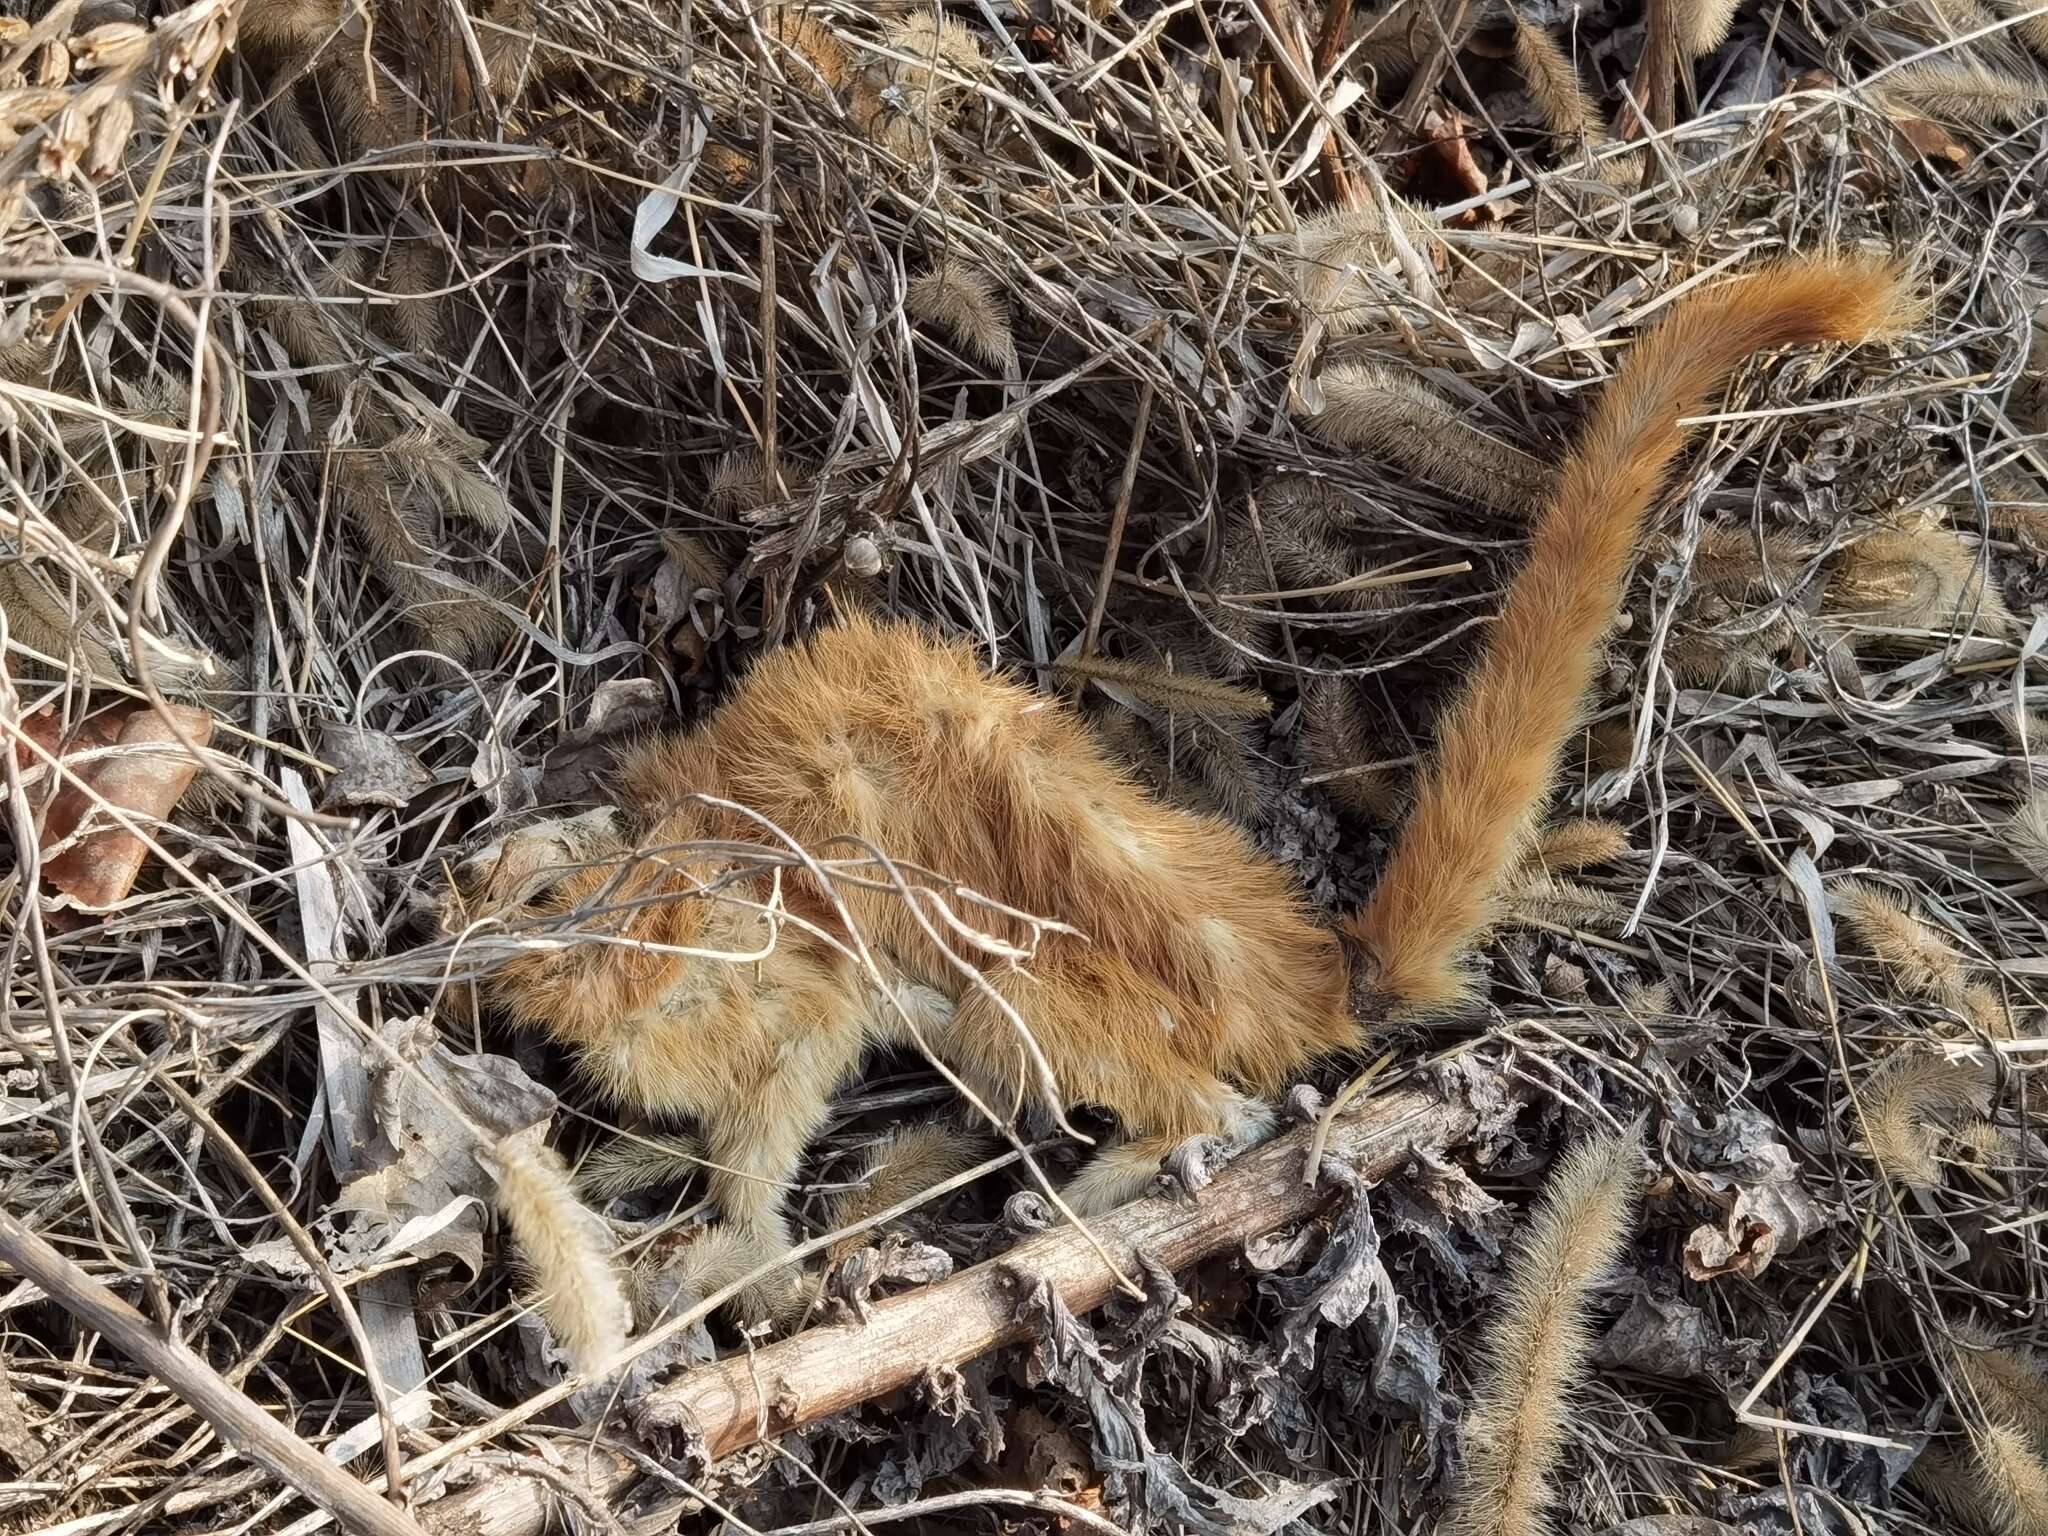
[
  {"x": 567, "y": 1249},
  {"x": 961, "y": 301}
]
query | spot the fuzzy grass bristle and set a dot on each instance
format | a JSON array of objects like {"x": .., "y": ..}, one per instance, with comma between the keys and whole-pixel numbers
[
  {"x": 414, "y": 273},
  {"x": 1918, "y": 956},
  {"x": 1965, "y": 92},
  {"x": 567, "y": 1250},
  {"x": 2026, "y": 832},
  {"x": 1909, "y": 1104},
  {"x": 1395, "y": 416},
  {"x": 445, "y": 462},
  {"x": 1536, "y": 1344},
  {"x": 1552, "y": 81},
  {"x": 2031, "y": 25},
  {"x": 1334, "y": 251},
  {"x": 1729, "y": 558},
  {"x": 625, "y": 1165},
  {"x": 1540, "y": 899},
  {"x": 39, "y": 620},
  {"x": 1921, "y": 577},
  {"x": 961, "y": 301},
  {"x": 739, "y": 484},
  {"x": 1647, "y": 999},
  {"x": 822, "y": 60},
  {"x": 1187, "y": 693},
  {"x": 1578, "y": 842},
  {"x": 288, "y": 28},
  {"x": 1337, "y": 745},
  {"x": 1985, "y": 1009},
  {"x": 2008, "y": 1384},
  {"x": 1949, "y": 1481},
  {"x": 930, "y": 68},
  {"x": 1703, "y": 25},
  {"x": 1206, "y": 766},
  {"x": 2013, "y": 1478},
  {"x": 1306, "y": 504}
]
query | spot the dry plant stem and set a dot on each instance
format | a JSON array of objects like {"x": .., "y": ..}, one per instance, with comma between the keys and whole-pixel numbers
[
  {"x": 1070, "y": 1515},
  {"x": 1117, "y": 518},
  {"x": 1299, "y": 87},
  {"x": 1336, "y": 22},
  {"x": 240, "y": 1422},
  {"x": 511, "y": 1503},
  {"x": 337, "y": 1293},
  {"x": 150, "y": 568},
  {"x": 1657, "y": 78},
  {"x": 1452, "y": 20},
  {"x": 734, "y": 1403}
]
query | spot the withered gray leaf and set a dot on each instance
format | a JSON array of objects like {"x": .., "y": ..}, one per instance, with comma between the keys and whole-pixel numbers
[
  {"x": 370, "y": 767},
  {"x": 1772, "y": 1211},
  {"x": 1066, "y": 1353},
  {"x": 424, "y": 1193}
]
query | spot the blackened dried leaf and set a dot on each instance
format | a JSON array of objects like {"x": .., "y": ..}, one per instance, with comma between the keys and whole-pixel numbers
[
  {"x": 1065, "y": 1352},
  {"x": 894, "y": 1261},
  {"x": 1667, "y": 1336},
  {"x": 1346, "y": 1281},
  {"x": 1438, "y": 1204}
]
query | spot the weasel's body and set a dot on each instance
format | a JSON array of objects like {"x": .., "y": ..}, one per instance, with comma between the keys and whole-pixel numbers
[{"x": 1198, "y": 983}]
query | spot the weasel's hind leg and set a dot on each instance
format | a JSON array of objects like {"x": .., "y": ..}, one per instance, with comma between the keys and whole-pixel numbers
[
  {"x": 724, "y": 1254},
  {"x": 1125, "y": 1171}
]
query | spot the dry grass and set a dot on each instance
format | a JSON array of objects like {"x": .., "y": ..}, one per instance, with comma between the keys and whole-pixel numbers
[{"x": 433, "y": 447}]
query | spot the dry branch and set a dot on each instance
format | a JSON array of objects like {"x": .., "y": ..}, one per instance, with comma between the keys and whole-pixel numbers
[
  {"x": 238, "y": 1421},
  {"x": 509, "y": 1504},
  {"x": 729, "y": 1405}
]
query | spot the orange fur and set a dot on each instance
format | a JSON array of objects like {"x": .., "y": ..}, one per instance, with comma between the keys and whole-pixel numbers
[
  {"x": 1497, "y": 746},
  {"x": 1198, "y": 982}
]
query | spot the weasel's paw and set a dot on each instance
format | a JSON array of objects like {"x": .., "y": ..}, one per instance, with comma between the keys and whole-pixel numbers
[
  {"x": 721, "y": 1256},
  {"x": 505, "y": 876},
  {"x": 1187, "y": 1169},
  {"x": 1305, "y": 1104}
]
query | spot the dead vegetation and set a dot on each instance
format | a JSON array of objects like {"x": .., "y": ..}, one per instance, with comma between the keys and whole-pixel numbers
[{"x": 407, "y": 406}]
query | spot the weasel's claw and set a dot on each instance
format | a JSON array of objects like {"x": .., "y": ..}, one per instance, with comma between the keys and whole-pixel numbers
[{"x": 1189, "y": 1167}]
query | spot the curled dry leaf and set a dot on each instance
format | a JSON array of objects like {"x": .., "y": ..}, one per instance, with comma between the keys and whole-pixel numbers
[
  {"x": 1448, "y": 154},
  {"x": 126, "y": 759},
  {"x": 423, "y": 1193},
  {"x": 371, "y": 768},
  {"x": 1931, "y": 142}
]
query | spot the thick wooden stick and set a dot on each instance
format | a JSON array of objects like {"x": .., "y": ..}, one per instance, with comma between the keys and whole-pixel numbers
[
  {"x": 731, "y": 1404},
  {"x": 235, "y": 1418}
]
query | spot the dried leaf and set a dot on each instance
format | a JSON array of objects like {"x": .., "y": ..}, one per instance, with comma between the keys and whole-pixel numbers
[
  {"x": 1932, "y": 142},
  {"x": 370, "y": 767},
  {"x": 125, "y": 758},
  {"x": 426, "y": 1194}
]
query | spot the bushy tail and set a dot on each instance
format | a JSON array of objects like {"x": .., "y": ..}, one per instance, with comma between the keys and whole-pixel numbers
[{"x": 1498, "y": 744}]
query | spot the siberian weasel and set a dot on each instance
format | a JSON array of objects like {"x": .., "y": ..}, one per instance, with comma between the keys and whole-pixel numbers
[{"x": 1200, "y": 983}]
